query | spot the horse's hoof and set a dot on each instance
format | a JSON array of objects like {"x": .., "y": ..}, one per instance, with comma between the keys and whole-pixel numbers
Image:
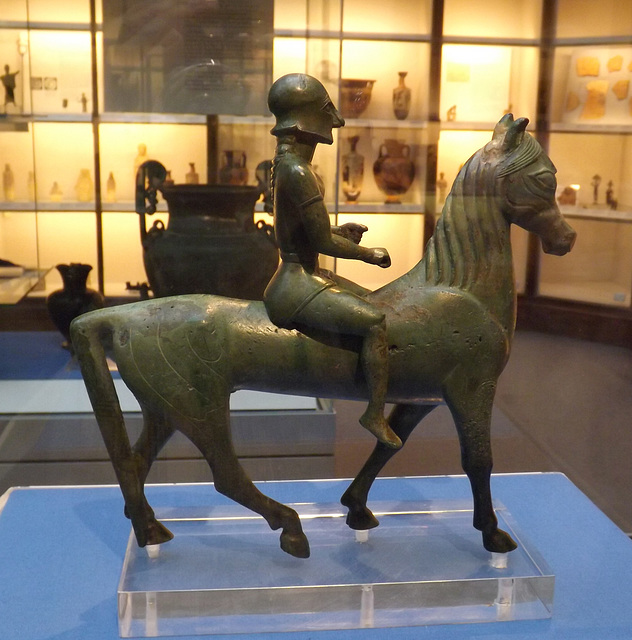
[
  {"x": 156, "y": 533},
  {"x": 499, "y": 541},
  {"x": 361, "y": 519},
  {"x": 296, "y": 544}
]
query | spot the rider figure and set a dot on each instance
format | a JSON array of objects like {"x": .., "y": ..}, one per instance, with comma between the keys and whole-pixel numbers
[{"x": 301, "y": 295}]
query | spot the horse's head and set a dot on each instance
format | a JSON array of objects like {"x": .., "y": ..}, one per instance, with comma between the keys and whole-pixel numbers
[{"x": 527, "y": 184}]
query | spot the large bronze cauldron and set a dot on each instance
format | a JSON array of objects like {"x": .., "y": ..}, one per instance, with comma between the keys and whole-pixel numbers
[{"x": 211, "y": 244}]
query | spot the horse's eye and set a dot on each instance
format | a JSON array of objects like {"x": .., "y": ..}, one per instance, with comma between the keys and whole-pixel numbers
[{"x": 546, "y": 181}]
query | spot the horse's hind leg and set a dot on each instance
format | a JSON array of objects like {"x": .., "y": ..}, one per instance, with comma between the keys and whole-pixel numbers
[
  {"x": 402, "y": 420},
  {"x": 107, "y": 410},
  {"x": 213, "y": 440},
  {"x": 472, "y": 413},
  {"x": 157, "y": 430}
]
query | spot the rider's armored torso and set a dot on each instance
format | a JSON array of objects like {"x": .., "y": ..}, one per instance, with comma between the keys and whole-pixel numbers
[{"x": 295, "y": 186}]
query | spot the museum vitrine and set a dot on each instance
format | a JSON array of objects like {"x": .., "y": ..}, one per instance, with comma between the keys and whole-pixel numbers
[{"x": 94, "y": 87}]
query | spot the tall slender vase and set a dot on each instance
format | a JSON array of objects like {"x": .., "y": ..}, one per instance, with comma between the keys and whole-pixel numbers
[
  {"x": 8, "y": 183},
  {"x": 352, "y": 172},
  {"x": 401, "y": 97}
]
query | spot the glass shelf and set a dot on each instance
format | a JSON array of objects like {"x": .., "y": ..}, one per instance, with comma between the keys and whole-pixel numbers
[
  {"x": 385, "y": 124},
  {"x": 600, "y": 214},
  {"x": 618, "y": 129},
  {"x": 381, "y": 207}
]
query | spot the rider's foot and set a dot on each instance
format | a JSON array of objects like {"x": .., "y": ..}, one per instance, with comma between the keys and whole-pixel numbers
[{"x": 379, "y": 427}]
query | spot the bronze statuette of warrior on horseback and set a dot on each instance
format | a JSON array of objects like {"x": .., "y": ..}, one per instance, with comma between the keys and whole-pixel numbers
[{"x": 440, "y": 333}]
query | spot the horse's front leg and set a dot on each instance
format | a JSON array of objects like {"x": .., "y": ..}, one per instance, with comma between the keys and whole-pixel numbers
[
  {"x": 402, "y": 420},
  {"x": 472, "y": 413}
]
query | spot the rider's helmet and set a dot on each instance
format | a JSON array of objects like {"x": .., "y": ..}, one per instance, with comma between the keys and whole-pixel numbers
[{"x": 300, "y": 103}]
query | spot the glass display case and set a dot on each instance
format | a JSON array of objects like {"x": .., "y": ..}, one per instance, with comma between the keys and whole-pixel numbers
[
  {"x": 89, "y": 93},
  {"x": 71, "y": 148}
]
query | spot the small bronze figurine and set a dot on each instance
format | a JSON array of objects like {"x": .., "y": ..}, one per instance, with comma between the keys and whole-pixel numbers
[
  {"x": 449, "y": 320},
  {"x": 596, "y": 181},
  {"x": 611, "y": 201},
  {"x": 8, "y": 81}
]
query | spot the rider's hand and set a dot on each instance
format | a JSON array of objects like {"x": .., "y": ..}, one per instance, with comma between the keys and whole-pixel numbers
[
  {"x": 381, "y": 258},
  {"x": 352, "y": 231}
]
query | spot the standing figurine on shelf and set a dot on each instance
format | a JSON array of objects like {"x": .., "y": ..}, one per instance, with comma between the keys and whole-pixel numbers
[
  {"x": 442, "y": 185},
  {"x": 8, "y": 80},
  {"x": 301, "y": 295},
  {"x": 8, "y": 183},
  {"x": 451, "y": 114},
  {"x": 596, "y": 181},
  {"x": 610, "y": 200},
  {"x": 84, "y": 103}
]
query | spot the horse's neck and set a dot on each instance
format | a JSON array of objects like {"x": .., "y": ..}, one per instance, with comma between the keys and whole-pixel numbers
[{"x": 470, "y": 250}]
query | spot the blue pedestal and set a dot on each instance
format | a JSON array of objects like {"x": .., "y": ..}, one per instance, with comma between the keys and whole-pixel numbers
[{"x": 62, "y": 551}]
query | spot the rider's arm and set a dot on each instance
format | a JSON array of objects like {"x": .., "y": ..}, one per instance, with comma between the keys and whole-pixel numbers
[
  {"x": 350, "y": 230},
  {"x": 316, "y": 223}
]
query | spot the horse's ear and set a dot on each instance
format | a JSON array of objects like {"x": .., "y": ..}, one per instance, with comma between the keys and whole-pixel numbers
[
  {"x": 503, "y": 125},
  {"x": 515, "y": 134}
]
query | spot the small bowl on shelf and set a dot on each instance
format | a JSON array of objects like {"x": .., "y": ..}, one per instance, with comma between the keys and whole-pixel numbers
[{"x": 355, "y": 95}]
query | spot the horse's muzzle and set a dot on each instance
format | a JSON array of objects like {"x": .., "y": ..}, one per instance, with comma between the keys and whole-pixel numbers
[{"x": 560, "y": 242}]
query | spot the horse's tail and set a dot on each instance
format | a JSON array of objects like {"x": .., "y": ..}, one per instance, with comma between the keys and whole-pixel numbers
[{"x": 87, "y": 333}]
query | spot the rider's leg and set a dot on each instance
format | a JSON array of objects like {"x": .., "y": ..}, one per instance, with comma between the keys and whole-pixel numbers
[
  {"x": 338, "y": 311},
  {"x": 345, "y": 284},
  {"x": 374, "y": 360}
]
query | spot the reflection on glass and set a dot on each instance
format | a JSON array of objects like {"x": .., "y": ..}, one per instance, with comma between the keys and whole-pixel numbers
[{"x": 188, "y": 57}]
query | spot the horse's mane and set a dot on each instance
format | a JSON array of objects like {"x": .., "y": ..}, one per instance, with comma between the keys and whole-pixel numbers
[
  {"x": 453, "y": 254},
  {"x": 470, "y": 230}
]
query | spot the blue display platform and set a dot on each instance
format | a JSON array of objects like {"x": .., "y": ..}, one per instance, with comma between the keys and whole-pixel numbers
[{"x": 62, "y": 549}]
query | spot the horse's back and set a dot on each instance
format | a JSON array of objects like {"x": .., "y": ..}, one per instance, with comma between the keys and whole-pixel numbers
[{"x": 171, "y": 352}]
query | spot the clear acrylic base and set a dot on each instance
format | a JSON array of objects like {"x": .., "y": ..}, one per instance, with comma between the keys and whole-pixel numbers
[{"x": 425, "y": 564}]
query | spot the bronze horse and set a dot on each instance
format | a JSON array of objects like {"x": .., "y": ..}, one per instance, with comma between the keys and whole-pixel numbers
[{"x": 450, "y": 325}]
